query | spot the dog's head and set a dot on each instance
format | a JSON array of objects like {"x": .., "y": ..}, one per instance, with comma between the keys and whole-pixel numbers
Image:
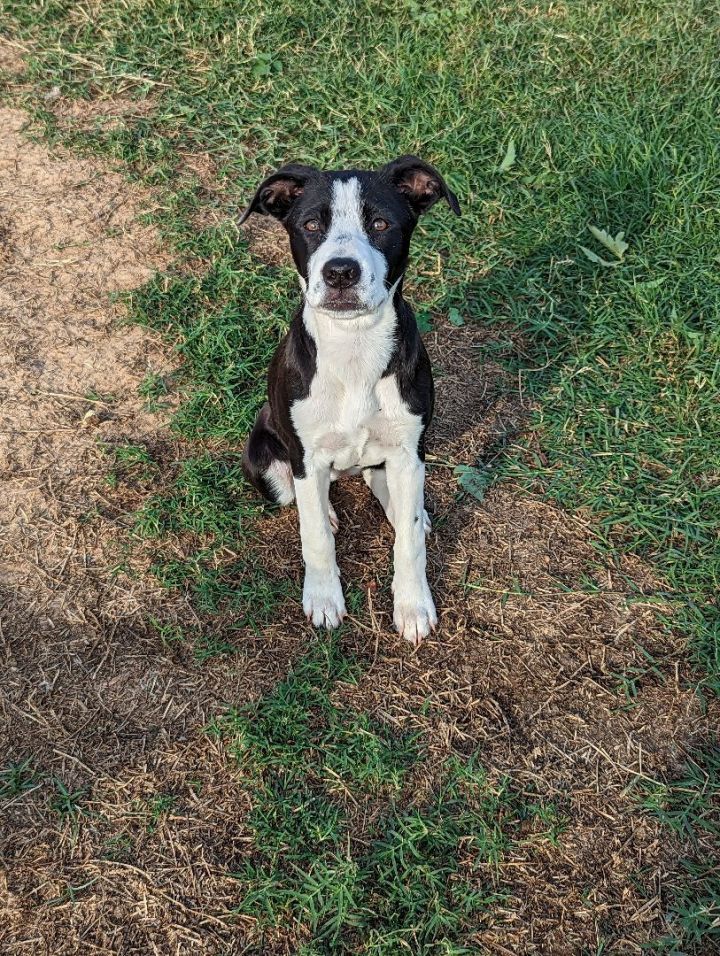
[{"x": 350, "y": 231}]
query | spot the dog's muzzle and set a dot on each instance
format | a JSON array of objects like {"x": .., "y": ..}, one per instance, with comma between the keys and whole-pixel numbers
[{"x": 341, "y": 276}]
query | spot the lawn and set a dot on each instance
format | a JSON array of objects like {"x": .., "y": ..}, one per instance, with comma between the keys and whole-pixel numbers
[{"x": 388, "y": 811}]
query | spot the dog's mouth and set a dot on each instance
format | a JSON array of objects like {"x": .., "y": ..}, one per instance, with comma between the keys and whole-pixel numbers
[
  {"x": 342, "y": 301},
  {"x": 346, "y": 303}
]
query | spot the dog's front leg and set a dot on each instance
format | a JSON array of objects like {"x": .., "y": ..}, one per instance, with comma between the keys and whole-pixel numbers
[
  {"x": 414, "y": 614},
  {"x": 323, "y": 600}
]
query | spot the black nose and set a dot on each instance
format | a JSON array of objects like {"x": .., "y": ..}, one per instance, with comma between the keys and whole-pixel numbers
[{"x": 341, "y": 273}]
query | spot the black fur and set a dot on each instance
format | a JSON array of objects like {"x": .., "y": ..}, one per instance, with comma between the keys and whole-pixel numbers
[{"x": 263, "y": 447}]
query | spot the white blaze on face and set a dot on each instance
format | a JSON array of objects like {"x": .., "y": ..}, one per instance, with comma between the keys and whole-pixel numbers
[{"x": 347, "y": 238}]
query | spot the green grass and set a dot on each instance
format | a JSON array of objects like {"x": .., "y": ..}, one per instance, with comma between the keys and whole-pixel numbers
[
  {"x": 154, "y": 388},
  {"x": 68, "y": 804},
  {"x": 17, "y": 779},
  {"x": 310, "y": 765},
  {"x": 130, "y": 465},
  {"x": 209, "y": 499},
  {"x": 547, "y": 119},
  {"x": 690, "y": 806},
  {"x": 159, "y": 807},
  {"x": 611, "y": 112}
]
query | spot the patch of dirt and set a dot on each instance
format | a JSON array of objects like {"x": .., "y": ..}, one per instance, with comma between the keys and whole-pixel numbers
[
  {"x": 267, "y": 240},
  {"x": 70, "y": 371},
  {"x": 203, "y": 167}
]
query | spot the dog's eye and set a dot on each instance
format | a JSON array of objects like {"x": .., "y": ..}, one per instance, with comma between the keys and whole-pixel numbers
[
  {"x": 379, "y": 225},
  {"x": 312, "y": 225}
]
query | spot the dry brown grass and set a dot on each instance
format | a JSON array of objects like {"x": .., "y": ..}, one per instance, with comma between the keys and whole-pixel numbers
[
  {"x": 88, "y": 690},
  {"x": 267, "y": 240},
  {"x": 70, "y": 372},
  {"x": 110, "y": 112},
  {"x": 11, "y": 57}
]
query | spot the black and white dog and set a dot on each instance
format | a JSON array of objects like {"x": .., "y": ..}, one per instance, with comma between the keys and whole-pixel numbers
[{"x": 350, "y": 387}]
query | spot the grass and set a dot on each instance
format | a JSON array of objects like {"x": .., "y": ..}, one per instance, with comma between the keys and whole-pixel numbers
[
  {"x": 17, "y": 779},
  {"x": 158, "y": 807},
  {"x": 552, "y": 121},
  {"x": 153, "y": 389},
  {"x": 417, "y": 876},
  {"x": 610, "y": 109},
  {"x": 67, "y": 803},
  {"x": 690, "y": 806},
  {"x": 130, "y": 464}
]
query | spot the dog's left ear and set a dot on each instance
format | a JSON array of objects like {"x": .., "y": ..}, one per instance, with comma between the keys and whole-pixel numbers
[
  {"x": 276, "y": 195},
  {"x": 420, "y": 183}
]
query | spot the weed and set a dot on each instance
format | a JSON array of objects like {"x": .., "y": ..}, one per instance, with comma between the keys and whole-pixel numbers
[
  {"x": 18, "y": 778},
  {"x": 67, "y": 803}
]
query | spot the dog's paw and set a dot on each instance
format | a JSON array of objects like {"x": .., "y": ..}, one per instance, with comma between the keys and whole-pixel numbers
[
  {"x": 332, "y": 515},
  {"x": 415, "y": 615},
  {"x": 323, "y": 600}
]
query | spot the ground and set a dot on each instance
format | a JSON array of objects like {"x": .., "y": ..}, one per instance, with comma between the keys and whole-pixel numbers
[{"x": 187, "y": 765}]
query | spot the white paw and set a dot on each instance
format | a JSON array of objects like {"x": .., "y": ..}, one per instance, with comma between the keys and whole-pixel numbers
[
  {"x": 415, "y": 615},
  {"x": 323, "y": 600},
  {"x": 334, "y": 523}
]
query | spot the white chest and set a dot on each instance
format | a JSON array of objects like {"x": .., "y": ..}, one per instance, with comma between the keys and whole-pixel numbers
[{"x": 352, "y": 417}]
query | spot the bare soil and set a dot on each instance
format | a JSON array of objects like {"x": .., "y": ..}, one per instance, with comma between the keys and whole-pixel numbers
[{"x": 525, "y": 666}]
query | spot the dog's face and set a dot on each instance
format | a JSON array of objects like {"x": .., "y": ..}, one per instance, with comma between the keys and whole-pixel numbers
[{"x": 350, "y": 231}]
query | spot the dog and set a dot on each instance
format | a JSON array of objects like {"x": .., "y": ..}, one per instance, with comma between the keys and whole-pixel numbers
[{"x": 350, "y": 388}]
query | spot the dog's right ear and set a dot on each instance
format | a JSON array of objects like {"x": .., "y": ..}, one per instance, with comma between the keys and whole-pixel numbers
[{"x": 276, "y": 195}]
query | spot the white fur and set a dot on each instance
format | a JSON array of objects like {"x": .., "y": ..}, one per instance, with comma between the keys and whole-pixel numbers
[
  {"x": 414, "y": 614},
  {"x": 346, "y": 238},
  {"x": 279, "y": 477},
  {"x": 353, "y": 418},
  {"x": 350, "y": 412},
  {"x": 376, "y": 480},
  {"x": 323, "y": 600}
]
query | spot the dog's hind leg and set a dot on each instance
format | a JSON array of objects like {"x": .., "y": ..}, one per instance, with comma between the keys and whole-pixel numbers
[
  {"x": 266, "y": 462},
  {"x": 376, "y": 480}
]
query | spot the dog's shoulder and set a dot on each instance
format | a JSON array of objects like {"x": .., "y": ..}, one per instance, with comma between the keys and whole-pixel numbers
[
  {"x": 294, "y": 364},
  {"x": 290, "y": 376},
  {"x": 410, "y": 364}
]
